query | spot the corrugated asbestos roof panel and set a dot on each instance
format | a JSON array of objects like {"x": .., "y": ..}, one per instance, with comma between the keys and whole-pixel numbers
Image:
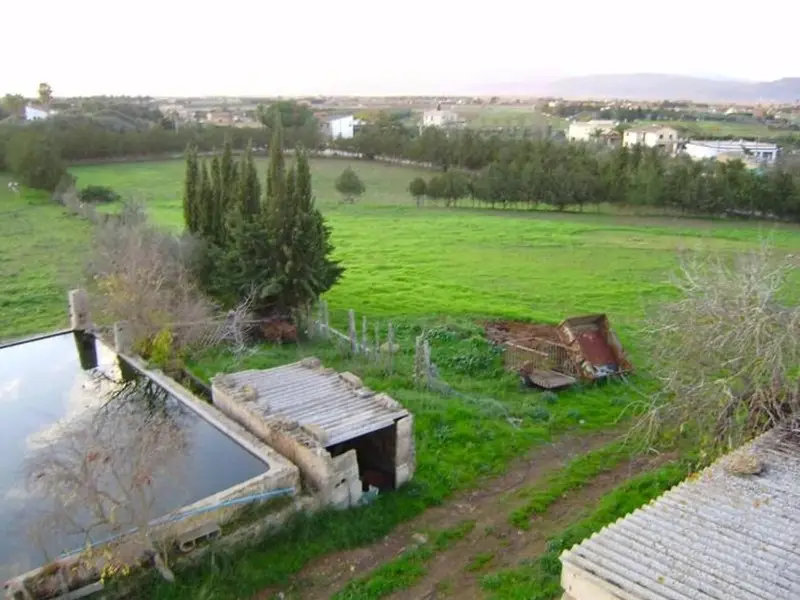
[
  {"x": 319, "y": 397},
  {"x": 717, "y": 536}
]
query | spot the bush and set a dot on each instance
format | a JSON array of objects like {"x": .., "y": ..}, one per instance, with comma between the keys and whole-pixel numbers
[
  {"x": 97, "y": 194},
  {"x": 35, "y": 162},
  {"x": 349, "y": 185}
]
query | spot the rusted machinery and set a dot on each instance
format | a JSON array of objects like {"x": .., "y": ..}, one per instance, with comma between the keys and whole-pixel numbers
[{"x": 557, "y": 356}]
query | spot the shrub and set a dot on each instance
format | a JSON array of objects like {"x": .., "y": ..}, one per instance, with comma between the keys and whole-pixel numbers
[
  {"x": 97, "y": 194},
  {"x": 34, "y": 161},
  {"x": 349, "y": 185}
]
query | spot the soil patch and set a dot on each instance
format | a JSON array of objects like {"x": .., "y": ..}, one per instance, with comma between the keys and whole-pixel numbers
[
  {"x": 495, "y": 544},
  {"x": 489, "y": 505},
  {"x": 499, "y": 332}
]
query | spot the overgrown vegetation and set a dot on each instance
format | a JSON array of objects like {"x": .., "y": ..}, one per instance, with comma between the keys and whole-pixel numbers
[{"x": 726, "y": 350}]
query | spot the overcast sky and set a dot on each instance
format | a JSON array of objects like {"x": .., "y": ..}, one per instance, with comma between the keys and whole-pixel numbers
[{"x": 263, "y": 47}]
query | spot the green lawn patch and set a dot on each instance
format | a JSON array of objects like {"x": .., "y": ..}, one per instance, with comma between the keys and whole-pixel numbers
[
  {"x": 42, "y": 252},
  {"x": 405, "y": 570}
]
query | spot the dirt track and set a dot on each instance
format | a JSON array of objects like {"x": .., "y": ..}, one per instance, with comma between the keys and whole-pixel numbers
[{"x": 489, "y": 506}]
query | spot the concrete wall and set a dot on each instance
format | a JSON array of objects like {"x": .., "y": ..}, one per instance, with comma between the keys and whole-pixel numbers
[
  {"x": 405, "y": 451},
  {"x": 328, "y": 476},
  {"x": 581, "y": 585}
]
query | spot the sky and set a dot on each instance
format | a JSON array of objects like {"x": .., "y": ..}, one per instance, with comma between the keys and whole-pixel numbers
[{"x": 258, "y": 47}]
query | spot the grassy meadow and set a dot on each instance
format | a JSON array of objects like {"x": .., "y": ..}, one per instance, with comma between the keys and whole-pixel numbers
[
  {"x": 422, "y": 268},
  {"x": 42, "y": 250}
]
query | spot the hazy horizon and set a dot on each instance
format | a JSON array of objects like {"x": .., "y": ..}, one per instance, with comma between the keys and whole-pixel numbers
[{"x": 174, "y": 49}]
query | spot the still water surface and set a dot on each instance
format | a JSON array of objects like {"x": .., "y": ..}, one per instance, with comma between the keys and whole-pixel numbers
[{"x": 45, "y": 392}]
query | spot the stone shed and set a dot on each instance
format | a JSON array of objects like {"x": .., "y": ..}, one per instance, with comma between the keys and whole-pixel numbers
[{"x": 343, "y": 436}]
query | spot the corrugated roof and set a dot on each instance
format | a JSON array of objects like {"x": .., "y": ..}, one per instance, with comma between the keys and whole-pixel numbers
[
  {"x": 734, "y": 145},
  {"x": 317, "y": 396},
  {"x": 719, "y": 536}
]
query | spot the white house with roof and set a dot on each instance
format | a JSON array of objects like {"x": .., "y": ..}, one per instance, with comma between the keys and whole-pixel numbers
[
  {"x": 757, "y": 151},
  {"x": 584, "y": 131},
  {"x": 339, "y": 127},
  {"x": 651, "y": 136},
  {"x": 440, "y": 118},
  {"x": 33, "y": 113}
]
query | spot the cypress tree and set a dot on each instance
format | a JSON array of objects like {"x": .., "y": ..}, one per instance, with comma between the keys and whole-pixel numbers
[
  {"x": 191, "y": 191},
  {"x": 216, "y": 212},
  {"x": 248, "y": 197},
  {"x": 206, "y": 205}
]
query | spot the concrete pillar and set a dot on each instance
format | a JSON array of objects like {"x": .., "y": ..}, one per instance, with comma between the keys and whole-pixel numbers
[
  {"x": 405, "y": 461},
  {"x": 79, "y": 310},
  {"x": 87, "y": 349},
  {"x": 123, "y": 342}
]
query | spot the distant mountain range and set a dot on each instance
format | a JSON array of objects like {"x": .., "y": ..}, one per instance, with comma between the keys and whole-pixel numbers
[{"x": 654, "y": 86}]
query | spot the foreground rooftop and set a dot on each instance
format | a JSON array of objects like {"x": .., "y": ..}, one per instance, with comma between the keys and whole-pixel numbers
[{"x": 730, "y": 533}]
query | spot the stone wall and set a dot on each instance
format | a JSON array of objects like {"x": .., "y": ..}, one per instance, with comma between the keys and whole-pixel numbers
[{"x": 405, "y": 451}]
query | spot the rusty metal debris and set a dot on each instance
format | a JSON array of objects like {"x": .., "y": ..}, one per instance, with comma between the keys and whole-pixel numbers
[{"x": 557, "y": 356}]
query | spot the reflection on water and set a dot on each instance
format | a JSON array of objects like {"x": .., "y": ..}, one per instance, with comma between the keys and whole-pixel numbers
[{"x": 84, "y": 455}]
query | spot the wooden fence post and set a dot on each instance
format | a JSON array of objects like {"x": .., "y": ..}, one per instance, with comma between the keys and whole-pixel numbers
[
  {"x": 326, "y": 323},
  {"x": 351, "y": 330},
  {"x": 364, "y": 348},
  {"x": 390, "y": 342},
  {"x": 376, "y": 350}
]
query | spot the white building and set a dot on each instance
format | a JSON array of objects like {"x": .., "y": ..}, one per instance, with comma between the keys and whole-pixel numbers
[
  {"x": 339, "y": 127},
  {"x": 652, "y": 136},
  {"x": 440, "y": 118},
  {"x": 33, "y": 113},
  {"x": 585, "y": 131},
  {"x": 758, "y": 151}
]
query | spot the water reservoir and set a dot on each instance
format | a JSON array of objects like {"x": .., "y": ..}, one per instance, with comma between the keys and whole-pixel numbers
[{"x": 60, "y": 420}]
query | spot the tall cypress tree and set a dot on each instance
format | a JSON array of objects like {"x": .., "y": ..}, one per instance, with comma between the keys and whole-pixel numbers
[
  {"x": 206, "y": 208},
  {"x": 248, "y": 196},
  {"x": 191, "y": 190}
]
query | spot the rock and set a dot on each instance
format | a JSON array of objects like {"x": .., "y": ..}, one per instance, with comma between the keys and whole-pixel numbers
[
  {"x": 744, "y": 463},
  {"x": 419, "y": 538},
  {"x": 351, "y": 379},
  {"x": 390, "y": 348}
]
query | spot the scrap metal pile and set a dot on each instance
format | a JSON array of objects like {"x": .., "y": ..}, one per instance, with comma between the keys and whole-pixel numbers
[{"x": 557, "y": 356}]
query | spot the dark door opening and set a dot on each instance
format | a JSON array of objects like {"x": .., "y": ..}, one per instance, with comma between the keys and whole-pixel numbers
[{"x": 375, "y": 453}]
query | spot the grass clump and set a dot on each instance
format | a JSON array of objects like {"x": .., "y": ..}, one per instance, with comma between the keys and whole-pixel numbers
[{"x": 404, "y": 571}]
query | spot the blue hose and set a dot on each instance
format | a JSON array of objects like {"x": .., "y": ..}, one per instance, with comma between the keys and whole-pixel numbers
[{"x": 197, "y": 511}]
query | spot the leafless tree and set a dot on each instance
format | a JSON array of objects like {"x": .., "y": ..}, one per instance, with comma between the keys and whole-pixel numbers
[
  {"x": 99, "y": 475},
  {"x": 726, "y": 350}
]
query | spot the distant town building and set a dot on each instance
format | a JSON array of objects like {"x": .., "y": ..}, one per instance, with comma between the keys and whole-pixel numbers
[
  {"x": 585, "y": 131},
  {"x": 33, "y": 113},
  {"x": 220, "y": 117},
  {"x": 440, "y": 118},
  {"x": 746, "y": 150},
  {"x": 339, "y": 127},
  {"x": 652, "y": 136}
]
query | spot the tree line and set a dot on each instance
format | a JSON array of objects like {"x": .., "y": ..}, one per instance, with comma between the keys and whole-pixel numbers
[{"x": 501, "y": 171}]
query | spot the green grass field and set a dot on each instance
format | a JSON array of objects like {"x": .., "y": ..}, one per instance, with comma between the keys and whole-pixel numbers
[
  {"x": 42, "y": 250},
  {"x": 422, "y": 268}
]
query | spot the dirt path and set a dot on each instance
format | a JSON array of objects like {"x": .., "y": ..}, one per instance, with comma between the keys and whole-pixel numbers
[
  {"x": 495, "y": 544},
  {"x": 488, "y": 505}
]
